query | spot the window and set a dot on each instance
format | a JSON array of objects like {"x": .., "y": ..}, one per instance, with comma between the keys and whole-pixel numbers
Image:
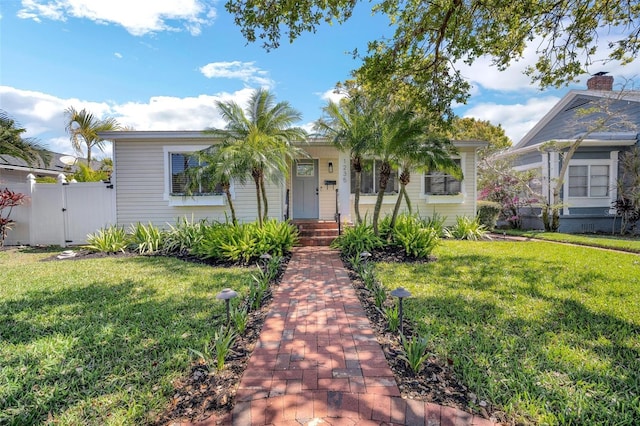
[
  {"x": 589, "y": 181},
  {"x": 180, "y": 163},
  {"x": 440, "y": 183},
  {"x": 370, "y": 178}
]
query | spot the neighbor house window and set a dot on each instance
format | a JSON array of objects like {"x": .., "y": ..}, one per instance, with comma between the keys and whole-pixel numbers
[
  {"x": 589, "y": 181},
  {"x": 440, "y": 183},
  {"x": 180, "y": 163},
  {"x": 370, "y": 178}
]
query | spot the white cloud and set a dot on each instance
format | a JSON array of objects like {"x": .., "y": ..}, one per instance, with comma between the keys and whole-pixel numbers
[
  {"x": 43, "y": 115},
  {"x": 331, "y": 95},
  {"x": 118, "y": 55},
  {"x": 138, "y": 17},
  {"x": 244, "y": 71},
  {"x": 483, "y": 74},
  {"x": 516, "y": 119}
]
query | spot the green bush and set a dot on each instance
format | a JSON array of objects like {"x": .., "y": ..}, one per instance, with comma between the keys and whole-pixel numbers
[
  {"x": 245, "y": 242},
  {"x": 466, "y": 228},
  {"x": 435, "y": 222},
  {"x": 183, "y": 236},
  {"x": 411, "y": 234},
  {"x": 276, "y": 237},
  {"x": 488, "y": 212},
  {"x": 357, "y": 239},
  {"x": 415, "y": 352},
  {"x": 111, "y": 239},
  {"x": 145, "y": 239}
]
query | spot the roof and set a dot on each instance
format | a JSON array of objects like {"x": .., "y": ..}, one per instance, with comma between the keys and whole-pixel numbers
[
  {"x": 54, "y": 167},
  {"x": 572, "y": 100},
  {"x": 122, "y": 135}
]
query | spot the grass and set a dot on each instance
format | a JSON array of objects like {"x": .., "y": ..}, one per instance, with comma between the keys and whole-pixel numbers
[
  {"x": 101, "y": 341},
  {"x": 549, "y": 333},
  {"x": 617, "y": 242}
]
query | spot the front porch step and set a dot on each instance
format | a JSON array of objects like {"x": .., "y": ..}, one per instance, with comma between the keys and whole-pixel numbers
[{"x": 316, "y": 232}]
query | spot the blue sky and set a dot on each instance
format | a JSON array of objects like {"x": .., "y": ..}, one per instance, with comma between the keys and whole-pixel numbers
[{"x": 162, "y": 65}]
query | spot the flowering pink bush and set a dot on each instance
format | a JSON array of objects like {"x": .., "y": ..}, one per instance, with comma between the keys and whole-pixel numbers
[
  {"x": 507, "y": 191},
  {"x": 8, "y": 200}
]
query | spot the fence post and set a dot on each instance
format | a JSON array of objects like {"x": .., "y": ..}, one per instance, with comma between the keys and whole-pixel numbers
[{"x": 31, "y": 185}]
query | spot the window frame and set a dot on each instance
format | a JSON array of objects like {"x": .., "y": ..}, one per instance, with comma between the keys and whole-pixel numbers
[
  {"x": 176, "y": 199},
  {"x": 589, "y": 177},
  {"x": 441, "y": 174},
  {"x": 375, "y": 180}
]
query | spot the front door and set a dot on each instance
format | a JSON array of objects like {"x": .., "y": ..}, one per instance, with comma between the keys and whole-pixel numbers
[{"x": 305, "y": 189}]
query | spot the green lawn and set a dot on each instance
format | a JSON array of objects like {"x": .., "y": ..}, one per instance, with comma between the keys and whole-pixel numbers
[
  {"x": 549, "y": 333},
  {"x": 631, "y": 244},
  {"x": 100, "y": 341}
]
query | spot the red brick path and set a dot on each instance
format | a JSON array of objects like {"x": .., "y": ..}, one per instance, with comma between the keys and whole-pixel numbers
[{"x": 317, "y": 361}]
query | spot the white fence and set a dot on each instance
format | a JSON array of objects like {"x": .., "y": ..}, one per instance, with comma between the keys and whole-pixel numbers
[{"x": 60, "y": 214}]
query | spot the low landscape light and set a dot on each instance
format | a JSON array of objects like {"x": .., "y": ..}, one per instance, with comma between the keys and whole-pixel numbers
[
  {"x": 227, "y": 294},
  {"x": 400, "y": 293}
]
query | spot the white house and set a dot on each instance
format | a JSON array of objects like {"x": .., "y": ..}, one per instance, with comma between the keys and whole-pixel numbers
[{"x": 146, "y": 164}]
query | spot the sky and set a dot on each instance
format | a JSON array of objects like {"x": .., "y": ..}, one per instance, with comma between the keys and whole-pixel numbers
[{"x": 163, "y": 64}]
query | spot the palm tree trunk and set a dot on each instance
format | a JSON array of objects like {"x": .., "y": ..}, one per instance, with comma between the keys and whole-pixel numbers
[
  {"x": 396, "y": 208},
  {"x": 385, "y": 172},
  {"x": 265, "y": 203},
  {"x": 256, "y": 179},
  {"x": 357, "y": 168},
  {"x": 226, "y": 187},
  {"x": 405, "y": 178}
]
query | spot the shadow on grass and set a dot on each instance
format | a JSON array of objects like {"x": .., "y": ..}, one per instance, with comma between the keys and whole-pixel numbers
[
  {"x": 524, "y": 337},
  {"x": 99, "y": 349}
]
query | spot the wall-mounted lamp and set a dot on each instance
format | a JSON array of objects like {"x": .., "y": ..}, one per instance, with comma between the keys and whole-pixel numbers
[{"x": 330, "y": 166}]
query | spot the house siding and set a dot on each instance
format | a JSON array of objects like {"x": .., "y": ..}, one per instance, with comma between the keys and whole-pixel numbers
[
  {"x": 139, "y": 179},
  {"x": 465, "y": 206}
]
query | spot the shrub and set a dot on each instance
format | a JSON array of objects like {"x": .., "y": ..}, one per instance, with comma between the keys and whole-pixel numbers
[
  {"x": 8, "y": 200},
  {"x": 379, "y": 295},
  {"x": 466, "y": 228},
  {"x": 357, "y": 239},
  {"x": 276, "y": 237},
  {"x": 111, "y": 239},
  {"x": 245, "y": 242},
  {"x": 415, "y": 352},
  {"x": 240, "y": 318},
  {"x": 145, "y": 239},
  {"x": 182, "y": 237},
  {"x": 435, "y": 222},
  {"x": 413, "y": 237},
  {"x": 488, "y": 213},
  {"x": 223, "y": 340},
  {"x": 208, "y": 245},
  {"x": 393, "y": 318}
]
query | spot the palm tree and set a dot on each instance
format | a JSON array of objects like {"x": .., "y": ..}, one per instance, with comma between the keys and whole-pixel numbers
[
  {"x": 13, "y": 144},
  {"x": 422, "y": 155},
  {"x": 403, "y": 142},
  {"x": 260, "y": 140},
  {"x": 218, "y": 166},
  {"x": 351, "y": 125},
  {"x": 83, "y": 128}
]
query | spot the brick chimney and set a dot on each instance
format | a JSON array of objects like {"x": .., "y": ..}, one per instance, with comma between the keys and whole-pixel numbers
[{"x": 600, "y": 81}]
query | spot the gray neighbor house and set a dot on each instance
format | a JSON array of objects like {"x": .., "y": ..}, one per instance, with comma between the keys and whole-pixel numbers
[{"x": 590, "y": 185}]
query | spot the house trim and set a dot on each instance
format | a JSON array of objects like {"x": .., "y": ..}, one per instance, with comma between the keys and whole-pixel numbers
[{"x": 188, "y": 200}]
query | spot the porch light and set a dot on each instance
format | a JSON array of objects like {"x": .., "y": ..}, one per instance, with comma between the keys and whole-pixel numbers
[
  {"x": 227, "y": 294},
  {"x": 330, "y": 166},
  {"x": 400, "y": 293}
]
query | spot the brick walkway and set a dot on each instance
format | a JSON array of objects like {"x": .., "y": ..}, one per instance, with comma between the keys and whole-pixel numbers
[{"x": 317, "y": 361}]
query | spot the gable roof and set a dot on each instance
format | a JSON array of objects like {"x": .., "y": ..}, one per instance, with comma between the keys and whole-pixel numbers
[{"x": 553, "y": 125}]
